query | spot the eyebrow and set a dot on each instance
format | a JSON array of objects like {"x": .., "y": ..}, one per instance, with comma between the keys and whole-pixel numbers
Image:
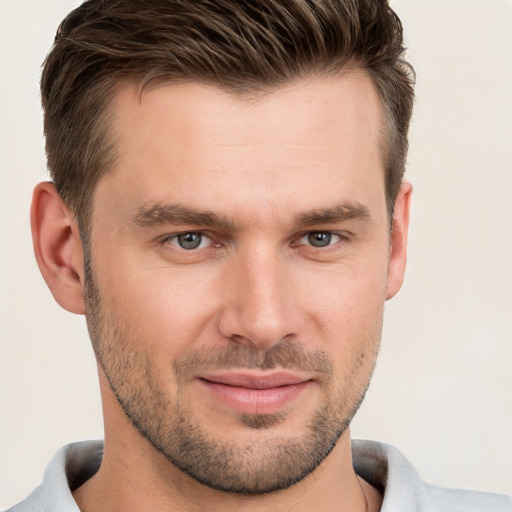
[
  {"x": 339, "y": 213},
  {"x": 158, "y": 214}
]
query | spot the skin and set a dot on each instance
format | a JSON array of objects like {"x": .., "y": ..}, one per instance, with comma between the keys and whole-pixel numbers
[{"x": 271, "y": 168}]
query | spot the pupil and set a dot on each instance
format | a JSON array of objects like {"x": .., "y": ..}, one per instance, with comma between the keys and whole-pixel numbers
[
  {"x": 319, "y": 239},
  {"x": 189, "y": 240}
]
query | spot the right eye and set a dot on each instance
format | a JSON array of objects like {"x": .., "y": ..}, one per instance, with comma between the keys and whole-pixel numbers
[{"x": 189, "y": 241}]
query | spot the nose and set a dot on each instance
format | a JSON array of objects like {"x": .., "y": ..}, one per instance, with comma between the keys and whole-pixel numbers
[{"x": 260, "y": 307}]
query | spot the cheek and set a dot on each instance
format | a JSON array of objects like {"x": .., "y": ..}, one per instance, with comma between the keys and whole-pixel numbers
[
  {"x": 346, "y": 310},
  {"x": 156, "y": 306},
  {"x": 346, "y": 298}
]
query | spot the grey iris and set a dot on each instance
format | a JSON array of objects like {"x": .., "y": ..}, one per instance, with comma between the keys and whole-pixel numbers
[
  {"x": 190, "y": 240},
  {"x": 319, "y": 239}
]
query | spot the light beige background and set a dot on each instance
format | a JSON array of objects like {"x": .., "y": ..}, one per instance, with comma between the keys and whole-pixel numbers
[{"x": 442, "y": 388}]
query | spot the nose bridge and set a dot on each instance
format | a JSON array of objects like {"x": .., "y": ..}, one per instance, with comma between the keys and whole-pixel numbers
[{"x": 261, "y": 309}]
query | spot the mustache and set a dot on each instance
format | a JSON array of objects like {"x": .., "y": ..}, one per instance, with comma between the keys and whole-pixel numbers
[{"x": 286, "y": 356}]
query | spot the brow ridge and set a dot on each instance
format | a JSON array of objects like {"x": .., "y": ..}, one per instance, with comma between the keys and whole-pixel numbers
[
  {"x": 159, "y": 214},
  {"x": 151, "y": 215},
  {"x": 338, "y": 213}
]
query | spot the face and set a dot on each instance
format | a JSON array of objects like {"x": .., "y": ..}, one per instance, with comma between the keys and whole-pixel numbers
[{"x": 239, "y": 263}]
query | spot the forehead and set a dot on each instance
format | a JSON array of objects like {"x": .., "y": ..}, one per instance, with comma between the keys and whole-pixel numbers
[
  {"x": 208, "y": 146},
  {"x": 318, "y": 101}
]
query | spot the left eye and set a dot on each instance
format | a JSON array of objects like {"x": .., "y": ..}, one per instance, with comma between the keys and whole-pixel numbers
[
  {"x": 320, "y": 239},
  {"x": 190, "y": 240}
]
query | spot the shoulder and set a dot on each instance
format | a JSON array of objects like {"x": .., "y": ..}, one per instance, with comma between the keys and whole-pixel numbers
[
  {"x": 387, "y": 469},
  {"x": 69, "y": 467},
  {"x": 460, "y": 500}
]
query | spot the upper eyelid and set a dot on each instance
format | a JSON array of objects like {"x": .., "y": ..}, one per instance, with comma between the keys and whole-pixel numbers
[
  {"x": 343, "y": 234},
  {"x": 184, "y": 232},
  {"x": 170, "y": 239}
]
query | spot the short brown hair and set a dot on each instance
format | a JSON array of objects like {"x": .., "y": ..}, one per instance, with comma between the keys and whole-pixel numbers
[{"x": 242, "y": 46}]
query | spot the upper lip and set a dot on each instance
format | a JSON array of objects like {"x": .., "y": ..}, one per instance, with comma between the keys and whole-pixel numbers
[{"x": 256, "y": 381}]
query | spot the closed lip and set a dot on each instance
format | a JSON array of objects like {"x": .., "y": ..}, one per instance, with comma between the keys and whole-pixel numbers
[
  {"x": 249, "y": 380},
  {"x": 253, "y": 392}
]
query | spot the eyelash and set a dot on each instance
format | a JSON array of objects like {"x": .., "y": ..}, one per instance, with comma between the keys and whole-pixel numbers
[
  {"x": 329, "y": 234},
  {"x": 169, "y": 239},
  {"x": 341, "y": 236}
]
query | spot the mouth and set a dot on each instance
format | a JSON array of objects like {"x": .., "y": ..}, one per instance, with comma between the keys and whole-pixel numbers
[{"x": 252, "y": 393}]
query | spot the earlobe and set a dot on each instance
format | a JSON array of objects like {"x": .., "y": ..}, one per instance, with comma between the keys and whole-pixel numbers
[
  {"x": 398, "y": 241},
  {"x": 57, "y": 247}
]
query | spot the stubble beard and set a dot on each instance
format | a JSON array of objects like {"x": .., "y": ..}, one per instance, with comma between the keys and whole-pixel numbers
[{"x": 243, "y": 466}]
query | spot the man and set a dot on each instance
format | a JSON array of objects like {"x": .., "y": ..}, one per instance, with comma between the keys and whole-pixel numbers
[{"x": 228, "y": 211}]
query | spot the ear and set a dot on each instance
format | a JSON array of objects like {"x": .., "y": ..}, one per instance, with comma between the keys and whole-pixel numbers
[
  {"x": 398, "y": 240},
  {"x": 58, "y": 247}
]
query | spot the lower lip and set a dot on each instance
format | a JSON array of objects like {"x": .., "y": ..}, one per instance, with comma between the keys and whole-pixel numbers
[{"x": 256, "y": 401}]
